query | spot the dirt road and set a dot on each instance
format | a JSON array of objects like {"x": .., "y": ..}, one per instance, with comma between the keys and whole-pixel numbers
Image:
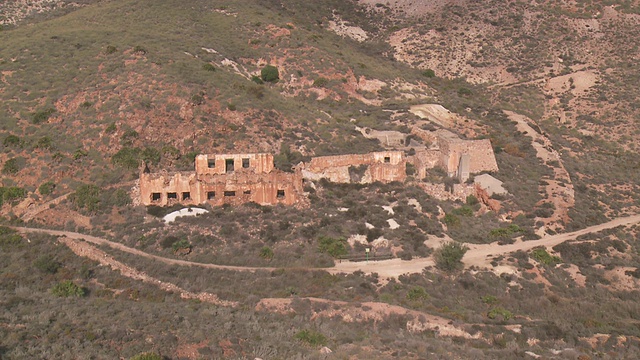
[{"x": 476, "y": 256}]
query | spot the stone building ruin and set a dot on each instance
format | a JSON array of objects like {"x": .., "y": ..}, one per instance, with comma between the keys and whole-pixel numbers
[
  {"x": 223, "y": 179},
  {"x": 457, "y": 157},
  {"x": 241, "y": 178}
]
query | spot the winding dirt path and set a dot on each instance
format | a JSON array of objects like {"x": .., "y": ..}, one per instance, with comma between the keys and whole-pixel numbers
[{"x": 476, "y": 256}]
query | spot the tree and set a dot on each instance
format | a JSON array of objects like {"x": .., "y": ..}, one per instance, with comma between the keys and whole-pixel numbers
[
  {"x": 331, "y": 246},
  {"x": 449, "y": 256},
  {"x": 269, "y": 73}
]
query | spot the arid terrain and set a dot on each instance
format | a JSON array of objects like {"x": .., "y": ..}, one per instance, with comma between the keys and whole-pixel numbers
[{"x": 466, "y": 177}]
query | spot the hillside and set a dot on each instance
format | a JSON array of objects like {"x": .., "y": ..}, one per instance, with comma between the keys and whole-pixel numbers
[{"x": 95, "y": 91}]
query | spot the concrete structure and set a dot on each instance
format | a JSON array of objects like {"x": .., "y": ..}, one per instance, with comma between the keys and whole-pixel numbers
[
  {"x": 223, "y": 179},
  {"x": 384, "y": 166}
]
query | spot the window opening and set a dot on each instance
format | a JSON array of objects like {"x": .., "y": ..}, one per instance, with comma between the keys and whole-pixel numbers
[
  {"x": 211, "y": 195},
  {"x": 211, "y": 163},
  {"x": 247, "y": 192},
  {"x": 245, "y": 163},
  {"x": 186, "y": 195},
  {"x": 229, "y": 165},
  {"x": 280, "y": 194},
  {"x": 387, "y": 159},
  {"x": 229, "y": 193},
  {"x": 156, "y": 196},
  {"x": 172, "y": 195}
]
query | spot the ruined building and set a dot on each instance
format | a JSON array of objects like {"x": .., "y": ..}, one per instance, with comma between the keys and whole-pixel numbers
[
  {"x": 458, "y": 157},
  {"x": 223, "y": 179},
  {"x": 242, "y": 178},
  {"x": 384, "y": 166}
]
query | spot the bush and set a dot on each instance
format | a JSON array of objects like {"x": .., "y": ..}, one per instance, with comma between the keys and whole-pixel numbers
[
  {"x": 257, "y": 80},
  {"x": 44, "y": 142},
  {"x": 266, "y": 253},
  {"x": 80, "y": 153},
  {"x": 11, "y": 194},
  {"x": 12, "y": 140},
  {"x": 11, "y": 166},
  {"x": 269, "y": 73},
  {"x": 67, "y": 288},
  {"x": 332, "y": 246},
  {"x": 110, "y": 49},
  {"x": 542, "y": 256},
  {"x": 47, "y": 264},
  {"x": 111, "y": 128},
  {"x": 417, "y": 293},
  {"x": 181, "y": 244},
  {"x": 139, "y": 50},
  {"x": 429, "y": 73},
  {"x": 42, "y": 115},
  {"x": 151, "y": 155},
  {"x": 128, "y": 158},
  {"x": 449, "y": 256},
  {"x": 320, "y": 82},
  {"x": 498, "y": 311},
  {"x": 311, "y": 337},
  {"x": 208, "y": 67},
  {"x": 87, "y": 197}
]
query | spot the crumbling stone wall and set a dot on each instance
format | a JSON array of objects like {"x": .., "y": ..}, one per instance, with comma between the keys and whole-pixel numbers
[{"x": 384, "y": 166}]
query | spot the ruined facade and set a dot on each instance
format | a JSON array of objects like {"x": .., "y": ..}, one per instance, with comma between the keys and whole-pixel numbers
[
  {"x": 223, "y": 179},
  {"x": 458, "y": 157},
  {"x": 384, "y": 166}
]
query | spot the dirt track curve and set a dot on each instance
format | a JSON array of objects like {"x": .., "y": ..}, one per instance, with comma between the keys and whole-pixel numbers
[{"x": 477, "y": 254}]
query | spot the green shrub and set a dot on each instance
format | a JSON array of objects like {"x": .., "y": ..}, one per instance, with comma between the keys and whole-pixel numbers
[
  {"x": 79, "y": 153},
  {"x": 110, "y": 49},
  {"x": 429, "y": 73},
  {"x": 87, "y": 197},
  {"x": 320, "y": 82},
  {"x": 498, "y": 311},
  {"x": 451, "y": 220},
  {"x": 257, "y": 80},
  {"x": 417, "y": 293},
  {"x": 472, "y": 200},
  {"x": 46, "y": 188},
  {"x": 42, "y": 115},
  {"x": 269, "y": 73},
  {"x": 139, "y": 50},
  {"x": 147, "y": 356},
  {"x": 448, "y": 257},
  {"x": 208, "y": 67},
  {"x": 47, "y": 264},
  {"x": 266, "y": 253},
  {"x": 67, "y": 288},
  {"x": 127, "y": 157},
  {"x": 119, "y": 197},
  {"x": 11, "y": 194},
  {"x": 111, "y": 128},
  {"x": 11, "y": 166},
  {"x": 11, "y": 141},
  {"x": 9, "y": 237},
  {"x": 181, "y": 244},
  {"x": 44, "y": 142},
  {"x": 311, "y": 337},
  {"x": 542, "y": 256},
  {"x": 151, "y": 155},
  {"x": 332, "y": 246}
]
